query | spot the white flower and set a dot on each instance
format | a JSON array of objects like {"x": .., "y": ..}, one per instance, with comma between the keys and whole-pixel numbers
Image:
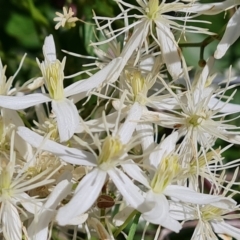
[
  {"x": 154, "y": 17},
  {"x": 6, "y": 84},
  {"x": 38, "y": 229},
  {"x": 231, "y": 34},
  {"x": 199, "y": 119},
  {"x": 232, "y": 31},
  {"x": 164, "y": 170},
  {"x": 66, "y": 112},
  {"x": 112, "y": 153},
  {"x": 65, "y": 19},
  {"x": 13, "y": 188},
  {"x": 211, "y": 217}
]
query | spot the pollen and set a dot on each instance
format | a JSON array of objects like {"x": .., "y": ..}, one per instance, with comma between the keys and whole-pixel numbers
[
  {"x": 54, "y": 80},
  {"x": 166, "y": 172},
  {"x": 210, "y": 212},
  {"x": 112, "y": 147},
  {"x": 152, "y": 9},
  {"x": 137, "y": 84},
  {"x": 197, "y": 119},
  {"x": 5, "y": 181}
]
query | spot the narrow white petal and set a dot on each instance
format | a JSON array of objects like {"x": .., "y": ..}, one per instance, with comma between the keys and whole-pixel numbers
[
  {"x": 49, "y": 49},
  {"x": 70, "y": 155},
  {"x": 163, "y": 149},
  {"x": 38, "y": 229},
  {"x": 159, "y": 214},
  {"x": 132, "y": 169},
  {"x": 181, "y": 211},
  {"x": 126, "y": 130},
  {"x": 146, "y": 132},
  {"x": 11, "y": 223},
  {"x": 211, "y": 8},
  {"x": 187, "y": 195},
  {"x": 28, "y": 203},
  {"x": 22, "y": 102},
  {"x": 67, "y": 118},
  {"x": 215, "y": 104},
  {"x": 224, "y": 228},
  {"x": 85, "y": 195},
  {"x": 11, "y": 117},
  {"x": 97, "y": 125},
  {"x": 136, "y": 40},
  {"x": 94, "y": 81},
  {"x": 169, "y": 49},
  {"x": 163, "y": 104},
  {"x": 130, "y": 192},
  {"x": 231, "y": 34}
]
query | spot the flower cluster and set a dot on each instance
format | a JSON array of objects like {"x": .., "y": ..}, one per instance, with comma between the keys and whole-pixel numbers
[{"x": 97, "y": 174}]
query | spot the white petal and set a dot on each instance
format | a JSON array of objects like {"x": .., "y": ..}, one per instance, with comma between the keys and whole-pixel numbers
[
  {"x": 29, "y": 203},
  {"x": 163, "y": 149},
  {"x": 80, "y": 219},
  {"x": 94, "y": 81},
  {"x": 122, "y": 216},
  {"x": 137, "y": 38},
  {"x": 181, "y": 211},
  {"x": 146, "y": 132},
  {"x": 127, "y": 128},
  {"x": 67, "y": 118},
  {"x": 216, "y": 104},
  {"x": 231, "y": 34},
  {"x": 49, "y": 49},
  {"x": 97, "y": 125},
  {"x": 163, "y": 104},
  {"x": 130, "y": 192},
  {"x": 12, "y": 117},
  {"x": 211, "y": 8},
  {"x": 159, "y": 214},
  {"x": 38, "y": 229},
  {"x": 187, "y": 195},
  {"x": 169, "y": 50},
  {"x": 85, "y": 195},
  {"x": 132, "y": 169},
  {"x": 11, "y": 223},
  {"x": 70, "y": 155},
  {"x": 224, "y": 228},
  {"x": 16, "y": 103}
]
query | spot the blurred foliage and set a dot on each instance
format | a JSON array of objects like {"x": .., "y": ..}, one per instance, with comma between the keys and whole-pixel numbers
[{"x": 25, "y": 23}]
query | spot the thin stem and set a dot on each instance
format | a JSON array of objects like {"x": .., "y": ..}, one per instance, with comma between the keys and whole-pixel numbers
[{"x": 130, "y": 217}]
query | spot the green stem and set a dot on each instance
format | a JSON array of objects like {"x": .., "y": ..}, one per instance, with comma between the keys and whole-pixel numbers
[
  {"x": 134, "y": 226},
  {"x": 130, "y": 217},
  {"x": 204, "y": 43}
]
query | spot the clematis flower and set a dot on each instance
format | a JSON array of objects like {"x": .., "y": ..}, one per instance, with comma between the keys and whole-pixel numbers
[
  {"x": 211, "y": 217},
  {"x": 163, "y": 174},
  {"x": 232, "y": 31},
  {"x": 65, "y": 19},
  {"x": 66, "y": 112},
  {"x": 197, "y": 117},
  {"x": 13, "y": 188},
  {"x": 112, "y": 153},
  {"x": 153, "y": 16}
]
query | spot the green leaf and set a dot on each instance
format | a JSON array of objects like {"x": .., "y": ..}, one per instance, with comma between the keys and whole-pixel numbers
[
  {"x": 22, "y": 28},
  {"x": 134, "y": 227}
]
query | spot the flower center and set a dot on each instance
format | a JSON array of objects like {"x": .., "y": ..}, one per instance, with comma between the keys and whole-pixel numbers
[
  {"x": 165, "y": 173},
  {"x": 111, "y": 148},
  {"x": 137, "y": 85},
  {"x": 5, "y": 181},
  {"x": 152, "y": 9},
  {"x": 202, "y": 161},
  {"x": 54, "y": 79},
  {"x": 210, "y": 212},
  {"x": 196, "y": 120}
]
